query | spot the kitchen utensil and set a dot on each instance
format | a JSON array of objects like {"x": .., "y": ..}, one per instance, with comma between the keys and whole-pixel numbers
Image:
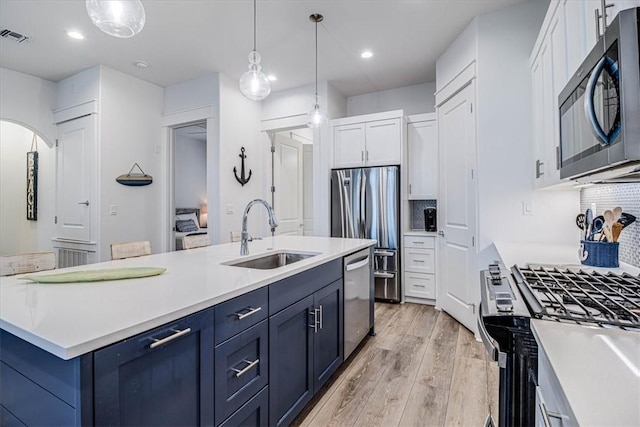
[
  {"x": 588, "y": 221},
  {"x": 596, "y": 226},
  {"x": 626, "y": 220},
  {"x": 608, "y": 222},
  {"x": 580, "y": 221},
  {"x": 616, "y": 229},
  {"x": 617, "y": 213}
]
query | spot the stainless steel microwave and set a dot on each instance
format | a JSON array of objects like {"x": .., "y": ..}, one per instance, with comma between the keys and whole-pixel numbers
[{"x": 600, "y": 105}]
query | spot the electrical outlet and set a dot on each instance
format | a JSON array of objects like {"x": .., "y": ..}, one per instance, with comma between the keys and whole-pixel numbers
[
  {"x": 231, "y": 209},
  {"x": 113, "y": 209}
]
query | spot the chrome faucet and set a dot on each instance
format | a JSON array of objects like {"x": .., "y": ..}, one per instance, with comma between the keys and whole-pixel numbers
[{"x": 273, "y": 222}]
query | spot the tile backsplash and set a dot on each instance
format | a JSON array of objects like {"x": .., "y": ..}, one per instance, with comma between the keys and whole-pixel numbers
[
  {"x": 627, "y": 196},
  {"x": 417, "y": 208}
]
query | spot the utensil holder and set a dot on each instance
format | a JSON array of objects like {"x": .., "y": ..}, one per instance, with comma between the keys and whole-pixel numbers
[{"x": 599, "y": 254}]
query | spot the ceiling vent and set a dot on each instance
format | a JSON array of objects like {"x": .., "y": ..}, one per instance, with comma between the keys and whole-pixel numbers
[{"x": 12, "y": 35}]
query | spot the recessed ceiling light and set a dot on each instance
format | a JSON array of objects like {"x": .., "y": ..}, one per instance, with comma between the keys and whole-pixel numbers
[
  {"x": 366, "y": 54},
  {"x": 141, "y": 64},
  {"x": 272, "y": 78},
  {"x": 75, "y": 35}
]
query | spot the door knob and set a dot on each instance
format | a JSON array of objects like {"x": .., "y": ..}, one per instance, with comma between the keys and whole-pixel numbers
[
  {"x": 86, "y": 203},
  {"x": 441, "y": 233}
]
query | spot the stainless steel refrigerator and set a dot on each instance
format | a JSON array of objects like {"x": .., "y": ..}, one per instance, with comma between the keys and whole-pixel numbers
[{"x": 365, "y": 203}]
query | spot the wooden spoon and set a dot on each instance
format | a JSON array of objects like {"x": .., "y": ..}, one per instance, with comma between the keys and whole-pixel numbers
[
  {"x": 617, "y": 213},
  {"x": 608, "y": 222}
]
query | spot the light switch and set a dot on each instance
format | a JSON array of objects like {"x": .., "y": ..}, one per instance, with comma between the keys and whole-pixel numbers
[
  {"x": 527, "y": 207},
  {"x": 113, "y": 209},
  {"x": 231, "y": 209}
]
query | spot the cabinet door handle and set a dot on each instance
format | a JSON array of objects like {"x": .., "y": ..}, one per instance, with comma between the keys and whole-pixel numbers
[
  {"x": 241, "y": 372},
  {"x": 409, "y": 188},
  {"x": 314, "y": 325},
  {"x": 177, "y": 334},
  {"x": 320, "y": 316},
  {"x": 362, "y": 155},
  {"x": 248, "y": 313},
  {"x": 366, "y": 157}
]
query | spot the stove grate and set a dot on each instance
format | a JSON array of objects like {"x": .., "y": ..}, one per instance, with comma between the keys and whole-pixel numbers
[{"x": 581, "y": 296}]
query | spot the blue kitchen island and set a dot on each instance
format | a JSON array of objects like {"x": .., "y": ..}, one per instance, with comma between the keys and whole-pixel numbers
[{"x": 205, "y": 343}]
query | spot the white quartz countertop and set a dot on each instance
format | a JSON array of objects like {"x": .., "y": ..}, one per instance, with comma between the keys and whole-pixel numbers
[
  {"x": 71, "y": 319},
  {"x": 598, "y": 370},
  {"x": 564, "y": 256}
]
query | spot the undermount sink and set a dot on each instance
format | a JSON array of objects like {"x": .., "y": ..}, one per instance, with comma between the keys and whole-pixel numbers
[{"x": 272, "y": 260}]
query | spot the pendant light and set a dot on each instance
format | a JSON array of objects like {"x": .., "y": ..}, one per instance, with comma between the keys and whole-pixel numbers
[
  {"x": 317, "y": 116},
  {"x": 254, "y": 84},
  {"x": 118, "y": 18}
]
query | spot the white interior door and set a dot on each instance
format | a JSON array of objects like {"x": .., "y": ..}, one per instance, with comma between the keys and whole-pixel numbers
[
  {"x": 75, "y": 168},
  {"x": 288, "y": 182},
  {"x": 457, "y": 207}
]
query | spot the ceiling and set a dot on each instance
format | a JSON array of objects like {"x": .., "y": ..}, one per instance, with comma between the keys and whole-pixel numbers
[{"x": 185, "y": 39}]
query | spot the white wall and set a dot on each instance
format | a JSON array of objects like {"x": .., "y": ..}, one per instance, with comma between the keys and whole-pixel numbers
[
  {"x": 504, "y": 129},
  {"x": 26, "y": 101},
  {"x": 17, "y": 235},
  {"x": 130, "y": 132},
  {"x": 413, "y": 99},
  {"x": 29, "y": 101},
  {"x": 191, "y": 172},
  {"x": 462, "y": 52},
  {"x": 240, "y": 127}
]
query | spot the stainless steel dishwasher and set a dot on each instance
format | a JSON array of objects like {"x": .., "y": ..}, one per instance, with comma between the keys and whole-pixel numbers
[{"x": 358, "y": 299}]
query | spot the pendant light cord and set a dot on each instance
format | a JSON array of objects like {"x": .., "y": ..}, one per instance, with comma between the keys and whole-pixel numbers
[
  {"x": 254, "y": 25},
  {"x": 316, "y": 61}
]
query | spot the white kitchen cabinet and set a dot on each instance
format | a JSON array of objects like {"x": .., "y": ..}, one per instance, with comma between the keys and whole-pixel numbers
[
  {"x": 549, "y": 72},
  {"x": 589, "y": 17},
  {"x": 419, "y": 265},
  {"x": 368, "y": 140},
  {"x": 567, "y": 35},
  {"x": 349, "y": 145},
  {"x": 422, "y": 157}
]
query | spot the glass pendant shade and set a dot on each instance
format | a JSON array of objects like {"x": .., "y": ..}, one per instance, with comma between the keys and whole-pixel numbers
[
  {"x": 118, "y": 18},
  {"x": 254, "y": 84},
  {"x": 317, "y": 117}
]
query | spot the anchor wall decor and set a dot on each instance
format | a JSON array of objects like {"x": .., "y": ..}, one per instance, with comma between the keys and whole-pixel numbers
[{"x": 242, "y": 179}]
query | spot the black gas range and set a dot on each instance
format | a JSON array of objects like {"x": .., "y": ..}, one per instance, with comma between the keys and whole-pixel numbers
[{"x": 511, "y": 298}]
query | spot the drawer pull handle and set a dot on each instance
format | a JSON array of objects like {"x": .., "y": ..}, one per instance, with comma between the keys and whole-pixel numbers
[
  {"x": 248, "y": 313},
  {"x": 241, "y": 372},
  {"x": 177, "y": 334},
  {"x": 418, "y": 260},
  {"x": 419, "y": 286},
  {"x": 417, "y": 243},
  {"x": 383, "y": 275}
]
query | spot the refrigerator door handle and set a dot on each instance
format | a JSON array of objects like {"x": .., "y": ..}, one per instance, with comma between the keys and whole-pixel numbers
[{"x": 362, "y": 217}]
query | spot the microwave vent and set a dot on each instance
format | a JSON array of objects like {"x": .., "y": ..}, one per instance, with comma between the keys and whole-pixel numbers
[{"x": 13, "y": 35}]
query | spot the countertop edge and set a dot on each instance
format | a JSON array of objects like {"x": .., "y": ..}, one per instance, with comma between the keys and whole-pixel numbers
[{"x": 80, "y": 348}]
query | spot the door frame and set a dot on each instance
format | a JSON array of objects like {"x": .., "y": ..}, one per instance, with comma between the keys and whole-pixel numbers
[
  {"x": 171, "y": 122},
  {"x": 321, "y": 184}
]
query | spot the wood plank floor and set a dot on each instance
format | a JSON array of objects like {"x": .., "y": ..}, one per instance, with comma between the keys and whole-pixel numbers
[{"x": 421, "y": 369}]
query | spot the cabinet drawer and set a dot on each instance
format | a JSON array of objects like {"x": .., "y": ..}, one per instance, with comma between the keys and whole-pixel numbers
[
  {"x": 241, "y": 369},
  {"x": 421, "y": 242},
  {"x": 236, "y": 315},
  {"x": 254, "y": 413},
  {"x": 420, "y": 260},
  {"x": 420, "y": 285}
]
